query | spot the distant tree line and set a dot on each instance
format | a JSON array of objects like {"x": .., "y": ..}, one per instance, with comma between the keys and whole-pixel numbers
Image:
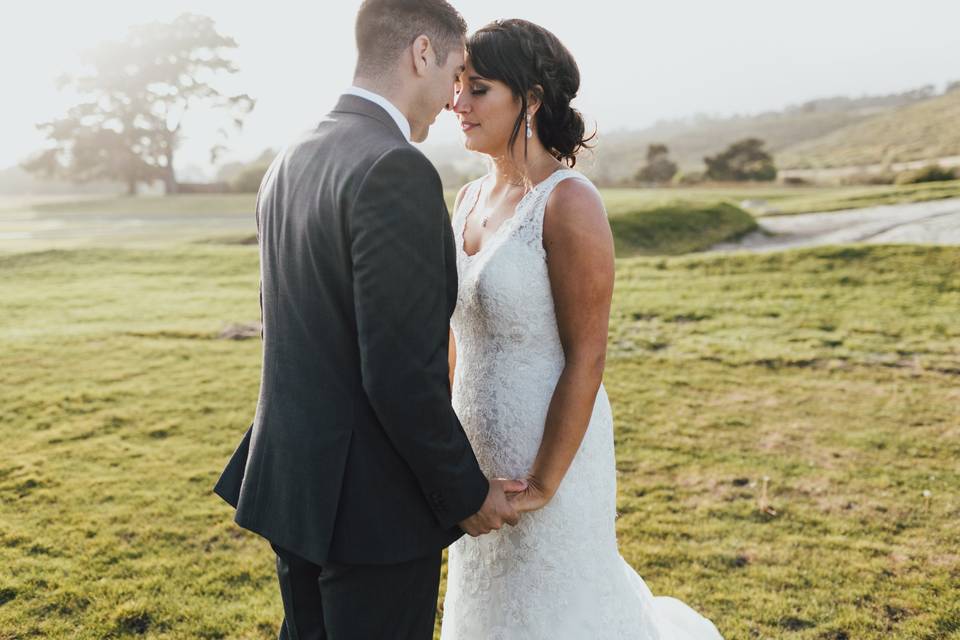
[{"x": 846, "y": 103}]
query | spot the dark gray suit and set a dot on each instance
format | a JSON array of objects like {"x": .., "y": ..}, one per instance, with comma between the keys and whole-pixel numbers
[{"x": 355, "y": 456}]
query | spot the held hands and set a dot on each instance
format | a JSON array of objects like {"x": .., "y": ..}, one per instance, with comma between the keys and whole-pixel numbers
[
  {"x": 497, "y": 509},
  {"x": 506, "y": 500},
  {"x": 535, "y": 496}
]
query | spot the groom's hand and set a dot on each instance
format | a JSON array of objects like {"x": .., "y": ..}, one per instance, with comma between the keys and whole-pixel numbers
[{"x": 496, "y": 509}]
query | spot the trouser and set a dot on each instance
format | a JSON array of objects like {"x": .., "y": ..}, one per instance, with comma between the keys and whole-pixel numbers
[{"x": 358, "y": 602}]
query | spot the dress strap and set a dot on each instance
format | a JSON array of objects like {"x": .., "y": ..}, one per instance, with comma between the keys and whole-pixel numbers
[
  {"x": 467, "y": 203},
  {"x": 542, "y": 195}
]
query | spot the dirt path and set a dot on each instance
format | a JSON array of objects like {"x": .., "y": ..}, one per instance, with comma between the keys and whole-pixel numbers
[{"x": 936, "y": 222}]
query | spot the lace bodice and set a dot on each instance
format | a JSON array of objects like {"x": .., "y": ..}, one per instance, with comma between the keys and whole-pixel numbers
[{"x": 505, "y": 328}]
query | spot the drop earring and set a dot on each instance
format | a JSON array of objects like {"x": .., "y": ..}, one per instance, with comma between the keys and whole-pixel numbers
[{"x": 529, "y": 130}]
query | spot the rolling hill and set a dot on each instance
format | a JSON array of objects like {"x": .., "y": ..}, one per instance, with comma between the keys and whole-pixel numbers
[{"x": 926, "y": 130}]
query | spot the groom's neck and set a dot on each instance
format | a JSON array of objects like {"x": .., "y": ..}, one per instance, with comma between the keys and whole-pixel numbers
[{"x": 389, "y": 88}]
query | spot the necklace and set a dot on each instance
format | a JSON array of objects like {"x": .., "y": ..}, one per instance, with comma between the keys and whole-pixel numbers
[{"x": 486, "y": 217}]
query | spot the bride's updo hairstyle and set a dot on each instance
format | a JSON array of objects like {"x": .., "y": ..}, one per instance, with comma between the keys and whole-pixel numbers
[{"x": 528, "y": 58}]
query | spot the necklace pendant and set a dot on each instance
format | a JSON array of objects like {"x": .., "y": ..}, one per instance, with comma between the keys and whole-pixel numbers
[{"x": 483, "y": 223}]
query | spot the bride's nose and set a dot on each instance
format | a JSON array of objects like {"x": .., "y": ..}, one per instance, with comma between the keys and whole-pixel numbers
[{"x": 459, "y": 105}]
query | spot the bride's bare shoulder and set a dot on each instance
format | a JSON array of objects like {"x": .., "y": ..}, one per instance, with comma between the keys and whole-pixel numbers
[{"x": 575, "y": 213}]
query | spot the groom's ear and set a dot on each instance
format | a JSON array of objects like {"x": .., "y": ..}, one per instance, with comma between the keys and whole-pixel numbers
[{"x": 420, "y": 52}]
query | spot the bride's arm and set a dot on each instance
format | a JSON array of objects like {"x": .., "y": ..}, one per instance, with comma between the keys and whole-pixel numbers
[
  {"x": 580, "y": 259},
  {"x": 452, "y": 358},
  {"x": 452, "y": 349}
]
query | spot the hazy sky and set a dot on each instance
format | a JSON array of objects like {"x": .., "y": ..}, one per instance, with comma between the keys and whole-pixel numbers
[{"x": 640, "y": 61}]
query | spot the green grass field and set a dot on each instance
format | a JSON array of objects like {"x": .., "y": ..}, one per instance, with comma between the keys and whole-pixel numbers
[
  {"x": 646, "y": 221},
  {"x": 826, "y": 379},
  {"x": 239, "y": 203},
  {"x": 787, "y": 200}
]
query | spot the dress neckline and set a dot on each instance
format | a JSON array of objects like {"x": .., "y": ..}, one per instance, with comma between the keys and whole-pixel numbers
[{"x": 505, "y": 223}]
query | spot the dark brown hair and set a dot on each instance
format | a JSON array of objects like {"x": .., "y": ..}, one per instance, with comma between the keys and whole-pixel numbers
[
  {"x": 386, "y": 27},
  {"x": 527, "y": 57}
]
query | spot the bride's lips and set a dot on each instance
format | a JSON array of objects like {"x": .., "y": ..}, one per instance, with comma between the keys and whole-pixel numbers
[{"x": 468, "y": 126}]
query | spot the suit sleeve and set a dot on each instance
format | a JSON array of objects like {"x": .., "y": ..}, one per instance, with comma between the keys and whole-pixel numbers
[
  {"x": 265, "y": 184},
  {"x": 399, "y": 284}
]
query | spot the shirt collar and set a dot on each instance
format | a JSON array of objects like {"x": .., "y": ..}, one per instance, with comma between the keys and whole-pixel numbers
[{"x": 388, "y": 106}]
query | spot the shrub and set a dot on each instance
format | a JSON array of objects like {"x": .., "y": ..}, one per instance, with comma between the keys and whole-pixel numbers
[
  {"x": 688, "y": 178},
  {"x": 678, "y": 228},
  {"x": 742, "y": 161},
  {"x": 930, "y": 173},
  {"x": 865, "y": 178},
  {"x": 659, "y": 168}
]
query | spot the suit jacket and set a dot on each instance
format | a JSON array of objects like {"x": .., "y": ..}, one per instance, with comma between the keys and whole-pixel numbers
[{"x": 355, "y": 454}]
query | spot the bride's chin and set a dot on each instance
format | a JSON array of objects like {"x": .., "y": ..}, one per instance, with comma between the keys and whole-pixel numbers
[{"x": 472, "y": 145}]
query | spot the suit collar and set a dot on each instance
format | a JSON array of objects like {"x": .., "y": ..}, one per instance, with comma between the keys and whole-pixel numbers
[
  {"x": 382, "y": 101},
  {"x": 361, "y": 106}
]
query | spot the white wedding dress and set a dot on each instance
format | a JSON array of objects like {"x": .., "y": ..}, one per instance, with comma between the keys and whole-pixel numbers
[{"x": 558, "y": 574}]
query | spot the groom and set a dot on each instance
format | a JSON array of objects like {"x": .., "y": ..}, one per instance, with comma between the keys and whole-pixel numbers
[{"x": 356, "y": 468}]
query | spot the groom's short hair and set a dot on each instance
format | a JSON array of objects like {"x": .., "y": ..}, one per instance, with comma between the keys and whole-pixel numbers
[{"x": 387, "y": 27}]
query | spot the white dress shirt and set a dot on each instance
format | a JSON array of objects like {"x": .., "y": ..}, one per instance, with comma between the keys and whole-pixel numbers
[{"x": 388, "y": 106}]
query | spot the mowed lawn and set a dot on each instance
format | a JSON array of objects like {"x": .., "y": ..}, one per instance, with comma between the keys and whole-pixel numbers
[{"x": 788, "y": 430}]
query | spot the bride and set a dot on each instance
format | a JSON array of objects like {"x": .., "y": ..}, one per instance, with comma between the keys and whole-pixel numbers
[{"x": 536, "y": 270}]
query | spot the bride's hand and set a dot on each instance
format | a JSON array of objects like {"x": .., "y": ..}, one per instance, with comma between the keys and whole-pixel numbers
[{"x": 534, "y": 497}]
